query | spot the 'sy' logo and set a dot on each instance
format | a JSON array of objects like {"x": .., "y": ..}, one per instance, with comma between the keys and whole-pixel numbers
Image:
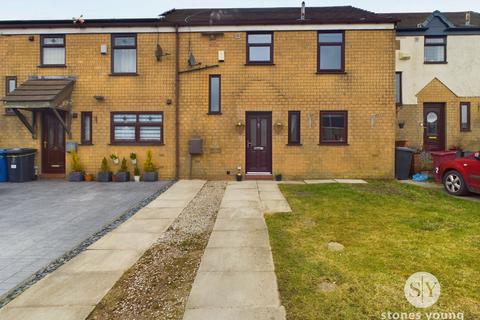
[{"x": 422, "y": 289}]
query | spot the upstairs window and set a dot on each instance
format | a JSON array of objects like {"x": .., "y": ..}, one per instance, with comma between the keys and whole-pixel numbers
[
  {"x": 214, "y": 103},
  {"x": 293, "y": 127},
  {"x": 398, "y": 88},
  {"x": 137, "y": 128},
  {"x": 435, "y": 49},
  {"x": 260, "y": 48},
  {"x": 465, "y": 116},
  {"x": 331, "y": 52},
  {"x": 124, "y": 55},
  {"x": 333, "y": 127},
  {"x": 52, "y": 52}
]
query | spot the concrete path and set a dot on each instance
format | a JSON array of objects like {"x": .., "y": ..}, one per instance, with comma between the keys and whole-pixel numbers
[
  {"x": 42, "y": 220},
  {"x": 236, "y": 278},
  {"x": 72, "y": 291}
]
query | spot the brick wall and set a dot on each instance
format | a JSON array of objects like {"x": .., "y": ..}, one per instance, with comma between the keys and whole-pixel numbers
[{"x": 366, "y": 90}]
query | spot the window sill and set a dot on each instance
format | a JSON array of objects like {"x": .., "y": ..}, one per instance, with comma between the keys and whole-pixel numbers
[
  {"x": 333, "y": 144},
  {"x": 123, "y": 74},
  {"x": 294, "y": 144},
  {"x": 259, "y": 64},
  {"x": 85, "y": 144},
  {"x": 466, "y": 130},
  {"x": 214, "y": 113},
  {"x": 435, "y": 62},
  {"x": 331, "y": 72},
  {"x": 52, "y": 66},
  {"x": 136, "y": 144}
]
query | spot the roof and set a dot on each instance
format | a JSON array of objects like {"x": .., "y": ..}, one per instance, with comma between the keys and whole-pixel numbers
[
  {"x": 413, "y": 19},
  {"x": 269, "y": 16},
  {"x": 40, "y": 93},
  {"x": 222, "y": 17}
]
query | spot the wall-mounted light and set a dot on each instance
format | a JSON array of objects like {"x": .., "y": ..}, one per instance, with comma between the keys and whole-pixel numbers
[
  {"x": 99, "y": 98},
  {"x": 31, "y": 38},
  {"x": 103, "y": 49},
  {"x": 401, "y": 124},
  {"x": 278, "y": 126},
  {"x": 169, "y": 101}
]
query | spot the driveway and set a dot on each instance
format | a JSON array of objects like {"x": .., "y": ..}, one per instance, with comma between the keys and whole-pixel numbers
[{"x": 42, "y": 220}]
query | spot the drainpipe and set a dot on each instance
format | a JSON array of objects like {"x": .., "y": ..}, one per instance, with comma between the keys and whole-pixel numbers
[{"x": 177, "y": 103}]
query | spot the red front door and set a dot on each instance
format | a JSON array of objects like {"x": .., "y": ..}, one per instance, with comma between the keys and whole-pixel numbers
[
  {"x": 53, "y": 144},
  {"x": 434, "y": 126},
  {"x": 259, "y": 142}
]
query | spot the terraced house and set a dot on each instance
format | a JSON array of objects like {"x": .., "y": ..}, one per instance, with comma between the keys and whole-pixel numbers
[
  {"x": 305, "y": 92},
  {"x": 438, "y": 88}
]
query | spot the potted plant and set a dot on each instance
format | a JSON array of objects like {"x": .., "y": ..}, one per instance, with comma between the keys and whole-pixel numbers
[
  {"x": 239, "y": 176},
  {"x": 136, "y": 174},
  {"x": 150, "y": 173},
  {"x": 77, "y": 173},
  {"x": 89, "y": 177},
  {"x": 123, "y": 175},
  {"x": 105, "y": 175},
  {"x": 278, "y": 177},
  {"x": 114, "y": 158},
  {"x": 133, "y": 158}
]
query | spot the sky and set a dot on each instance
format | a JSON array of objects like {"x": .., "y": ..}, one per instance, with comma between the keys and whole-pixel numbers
[{"x": 66, "y": 9}]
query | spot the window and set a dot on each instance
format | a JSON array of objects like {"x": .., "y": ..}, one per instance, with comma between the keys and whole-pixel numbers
[
  {"x": 331, "y": 52},
  {"x": 137, "y": 128},
  {"x": 52, "y": 52},
  {"x": 293, "y": 127},
  {"x": 124, "y": 54},
  {"x": 214, "y": 101},
  {"x": 465, "y": 116},
  {"x": 10, "y": 86},
  {"x": 86, "y": 127},
  {"x": 333, "y": 127},
  {"x": 398, "y": 88},
  {"x": 435, "y": 49},
  {"x": 260, "y": 48}
]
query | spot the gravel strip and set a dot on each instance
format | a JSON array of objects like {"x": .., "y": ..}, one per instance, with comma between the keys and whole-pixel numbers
[
  {"x": 54, "y": 265},
  {"x": 158, "y": 285}
]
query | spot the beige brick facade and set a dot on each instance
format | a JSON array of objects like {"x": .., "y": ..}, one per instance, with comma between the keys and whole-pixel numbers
[
  {"x": 365, "y": 90},
  {"x": 437, "y": 92}
]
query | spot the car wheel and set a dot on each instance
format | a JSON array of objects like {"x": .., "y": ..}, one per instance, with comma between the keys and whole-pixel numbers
[{"x": 454, "y": 183}]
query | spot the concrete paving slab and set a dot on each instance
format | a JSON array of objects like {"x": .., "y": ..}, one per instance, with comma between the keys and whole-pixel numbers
[
  {"x": 291, "y": 182},
  {"x": 239, "y": 213},
  {"x": 101, "y": 261},
  {"x": 245, "y": 224},
  {"x": 157, "y": 213},
  {"x": 320, "y": 181},
  {"x": 271, "y": 195},
  {"x": 237, "y": 259},
  {"x": 242, "y": 185},
  {"x": 125, "y": 241},
  {"x": 272, "y": 206},
  {"x": 240, "y": 204},
  {"x": 76, "y": 289},
  {"x": 228, "y": 239},
  {"x": 162, "y": 203},
  {"x": 157, "y": 226},
  {"x": 245, "y": 194},
  {"x": 351, "y": 181},
  {"x": 273, "y": 313},
  {"x": 46, "y": 313},
  {"x": 234, "y": 289}
]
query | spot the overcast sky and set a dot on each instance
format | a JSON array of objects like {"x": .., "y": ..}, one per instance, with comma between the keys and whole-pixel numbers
[{"x": 66, "y": 9}]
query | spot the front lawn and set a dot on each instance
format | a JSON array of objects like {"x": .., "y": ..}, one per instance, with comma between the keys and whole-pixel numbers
[{"x": 389, "y": 231}]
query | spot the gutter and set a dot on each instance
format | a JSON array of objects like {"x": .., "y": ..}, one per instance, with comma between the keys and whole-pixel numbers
[{"x": 177, "y": 103}]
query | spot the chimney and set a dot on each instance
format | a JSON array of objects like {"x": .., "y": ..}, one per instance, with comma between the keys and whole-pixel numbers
[
  {"x": 302, "y": 12},
  {"x": 467, "y": 18}
]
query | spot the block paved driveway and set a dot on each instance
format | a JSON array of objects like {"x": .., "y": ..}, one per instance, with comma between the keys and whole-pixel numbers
[{"x": 42, "y": 220}]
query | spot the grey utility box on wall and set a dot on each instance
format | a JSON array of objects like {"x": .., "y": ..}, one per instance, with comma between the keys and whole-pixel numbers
[{"x": 195, "y": 146}]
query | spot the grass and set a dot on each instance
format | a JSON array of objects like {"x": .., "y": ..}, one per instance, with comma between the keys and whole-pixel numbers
[{"x": 389, "y": 231}]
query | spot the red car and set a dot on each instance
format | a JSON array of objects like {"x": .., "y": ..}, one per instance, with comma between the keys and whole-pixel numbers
[{"x": 462, "y": 175}]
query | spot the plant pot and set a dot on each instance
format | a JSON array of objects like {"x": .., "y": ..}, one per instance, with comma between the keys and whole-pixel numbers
[
  {"x": 122, "y": 177},
  {"x": 136, "y": 178},
  {"x": 115, "y": 161},
  {"x": 150, "y": 176},
  {"x": 134, "y": 161},
  {"x": 89, "y": 177},
  {"x": 75, "y": 176},
  {"x": 104, "y": 177},
  {"x": 278, "y": 177},
  {"x": 239, "y": 177}
]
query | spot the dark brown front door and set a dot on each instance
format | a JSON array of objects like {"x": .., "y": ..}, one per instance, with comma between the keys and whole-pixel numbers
[
  {"x": 259, "y": 142},
  {"x": 434, "y": 126},
  {"x": 53, "y": 144}
]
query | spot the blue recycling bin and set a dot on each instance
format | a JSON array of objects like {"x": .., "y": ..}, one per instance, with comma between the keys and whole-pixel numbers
[{"x": 3, "y": 166}]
